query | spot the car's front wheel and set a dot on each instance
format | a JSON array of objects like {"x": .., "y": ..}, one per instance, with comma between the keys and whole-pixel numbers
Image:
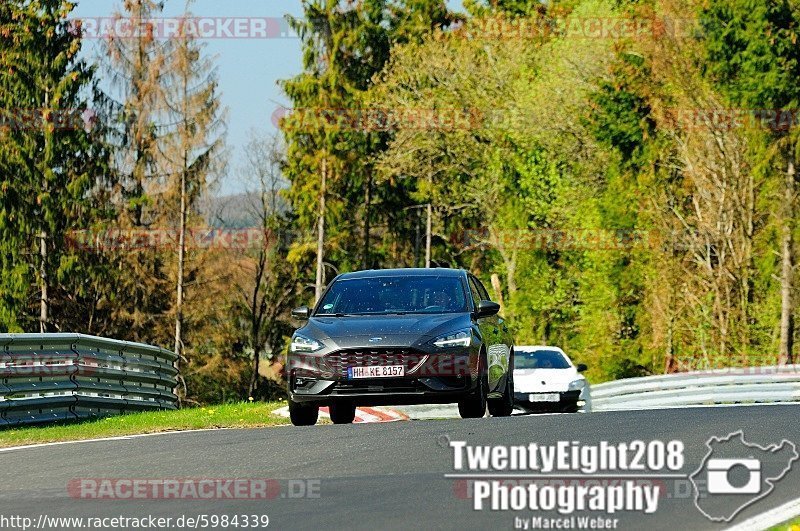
[
  {"x": 303, "y": 414},
  {"x": 473, "y": 406},
  {"x": 342, "y": 412},
  {"x": 504, "y": 406}
]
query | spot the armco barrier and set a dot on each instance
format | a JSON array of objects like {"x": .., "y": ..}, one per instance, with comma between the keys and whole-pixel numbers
[
  {"x": 754, "y": 385},
  {"x": 51, "y": 377}
]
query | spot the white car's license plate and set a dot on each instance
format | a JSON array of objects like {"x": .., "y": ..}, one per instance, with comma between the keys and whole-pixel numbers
[
  {"x": 547, "y": 397},
  {"x": 391, "y": 371}
]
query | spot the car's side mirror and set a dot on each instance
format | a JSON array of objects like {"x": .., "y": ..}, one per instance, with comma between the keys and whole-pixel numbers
[
  {"x": 302, "y": 313},
  {"x": 582, "y": 367},
  {"x": 487, "y": 309}
]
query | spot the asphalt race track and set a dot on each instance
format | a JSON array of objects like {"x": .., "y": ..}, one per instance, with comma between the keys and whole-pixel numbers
[{"x": 372, "y": 476}]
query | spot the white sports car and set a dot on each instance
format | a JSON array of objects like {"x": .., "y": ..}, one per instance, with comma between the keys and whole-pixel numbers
[{"x": 545, "y": 380}]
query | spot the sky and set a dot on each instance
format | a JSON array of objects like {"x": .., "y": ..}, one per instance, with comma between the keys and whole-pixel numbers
[{"x": 249, "y": 66}]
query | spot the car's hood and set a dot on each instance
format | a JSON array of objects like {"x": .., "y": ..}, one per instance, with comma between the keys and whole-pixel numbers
[
  {"x": 544, "y": 380},
  {"x": 384, "y": 330}
]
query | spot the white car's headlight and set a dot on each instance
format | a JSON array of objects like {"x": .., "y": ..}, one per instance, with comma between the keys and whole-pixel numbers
[
  {"x": 462, "y": 338},
  {"x": 577, "y": 385},
  {"x": 304, "y": 344}
]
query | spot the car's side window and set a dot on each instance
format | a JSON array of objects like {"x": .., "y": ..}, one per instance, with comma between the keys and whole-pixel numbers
[
  {"x": 476, "y": 296},
  {"x": 482, "y": 290}
]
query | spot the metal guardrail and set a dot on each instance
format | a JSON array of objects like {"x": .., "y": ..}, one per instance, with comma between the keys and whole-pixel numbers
[
  {"x": 51, "y": 377},
  {"x": 755, "y": 385}
]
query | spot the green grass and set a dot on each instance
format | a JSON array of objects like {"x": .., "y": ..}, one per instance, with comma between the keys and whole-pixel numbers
[
  {"x": 794, "y": 525},
  {"x": 243, "y": 415}
]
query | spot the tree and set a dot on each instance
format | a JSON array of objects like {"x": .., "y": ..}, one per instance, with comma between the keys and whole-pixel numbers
[
  {"x": 191, "y": 151},
  {"x": 50, "y": 157},
  {"x": 509, "y": 7},
  {"x": 754, "y": 57},
  {"x": 411, "y": 20},
  {"x": 330, "y": 137},
  {"x": 342, "y": 46},
  {"x": 135, "y": 66},
  {"x": 268, "y": 284}
]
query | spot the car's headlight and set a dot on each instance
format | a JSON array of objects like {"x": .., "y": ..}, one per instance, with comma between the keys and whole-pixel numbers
[
  {"x": 304, "y": 344},
  {"x": 577, "y": 385},
  {"x": 462, "y": 338}
]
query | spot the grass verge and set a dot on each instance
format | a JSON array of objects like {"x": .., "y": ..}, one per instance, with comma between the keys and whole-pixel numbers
[
  {"x": 794, "y": 525},
  {"x": 242, "y": 415}
]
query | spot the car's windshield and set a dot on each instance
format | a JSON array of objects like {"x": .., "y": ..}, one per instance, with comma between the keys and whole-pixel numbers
[
  {"x": 379, "y": 295},
  {"x": 540, "y": 359}
]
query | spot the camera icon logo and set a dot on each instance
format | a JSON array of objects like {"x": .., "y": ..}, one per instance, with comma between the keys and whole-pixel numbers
[
  {"x": 719, "y": 482},
  {"x": 735, "y": 474}
]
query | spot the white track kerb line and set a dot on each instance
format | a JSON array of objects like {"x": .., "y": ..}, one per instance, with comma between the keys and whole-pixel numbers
[
  {"x": 106, "y": 439},
  {"x": 771, "y": 518}
]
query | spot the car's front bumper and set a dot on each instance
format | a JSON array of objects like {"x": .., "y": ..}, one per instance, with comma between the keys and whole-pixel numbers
[
  {"x": 428, "y": 377},
  {"x": 569, "y": 401}
]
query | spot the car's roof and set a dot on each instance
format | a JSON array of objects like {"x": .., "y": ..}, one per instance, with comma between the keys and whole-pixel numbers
[{"x": 421, "y": 272}]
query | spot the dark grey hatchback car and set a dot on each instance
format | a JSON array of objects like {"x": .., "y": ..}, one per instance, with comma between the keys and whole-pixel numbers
[{"x": 401, "y": 336}]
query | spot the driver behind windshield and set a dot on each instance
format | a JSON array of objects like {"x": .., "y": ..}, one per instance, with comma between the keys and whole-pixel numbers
[{"x": 441, "y": 299}]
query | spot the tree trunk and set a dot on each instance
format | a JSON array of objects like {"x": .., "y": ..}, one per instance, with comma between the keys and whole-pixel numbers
[
  {"x": 669, "y": 355},
  {"x": 256, "y": 364},
  {"x": 257, "y": 316},
  {"x": 182, "y": 226},
  {"x": 181, "y": 262},
  {"x": 498, "y": 291},
  {"x": 44, "y": 280},
  {"x": 320, "y": 284},
  {"x": 140, "y": 164},
  {"x": 367, "y": 211},
  {"x": 428, "y": 236},
  {"x": 787, "y": 270},
  {"x": 45, "y": 300}
]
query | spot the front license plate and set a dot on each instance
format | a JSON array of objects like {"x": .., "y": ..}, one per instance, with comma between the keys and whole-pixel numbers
[
  {"x": 549, "y": 397},
  {"x": 391, "y": 371}
]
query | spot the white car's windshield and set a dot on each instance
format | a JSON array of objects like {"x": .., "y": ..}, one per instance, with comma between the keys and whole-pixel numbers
[{"x": 541, "y": 359}]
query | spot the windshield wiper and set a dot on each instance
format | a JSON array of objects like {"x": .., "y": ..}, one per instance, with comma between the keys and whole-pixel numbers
[{"x": 365, "y": 314}]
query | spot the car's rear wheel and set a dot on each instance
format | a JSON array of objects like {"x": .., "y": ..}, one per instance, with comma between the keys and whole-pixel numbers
[
  {"x": 303, "y": 414},
  {"x": 473, "y": 406},
  {"x": 504, "y": 406},
  {"x": 342, "y": 412}
]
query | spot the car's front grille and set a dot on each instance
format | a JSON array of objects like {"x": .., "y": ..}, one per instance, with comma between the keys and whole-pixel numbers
[
  {"x": 385, "y": 357},
  {"x": 387, "y": 385}
]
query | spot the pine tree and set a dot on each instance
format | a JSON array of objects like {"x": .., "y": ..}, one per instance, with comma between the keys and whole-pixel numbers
[
  {"x": 15, "y": 217},
  {"x": 136, "y": 69},
  {"x": 50, "y": 158},
  {"x": 345, "y": 45},
  {"x": 410, "y": 20},
  {"x": 336, "y": 69},
  {"x": 192, "y": 150},
  {"x": 135, "y": 66}
]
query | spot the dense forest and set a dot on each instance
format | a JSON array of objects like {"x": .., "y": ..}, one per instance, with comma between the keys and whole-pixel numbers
[{"x": 621, "y": 173}]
